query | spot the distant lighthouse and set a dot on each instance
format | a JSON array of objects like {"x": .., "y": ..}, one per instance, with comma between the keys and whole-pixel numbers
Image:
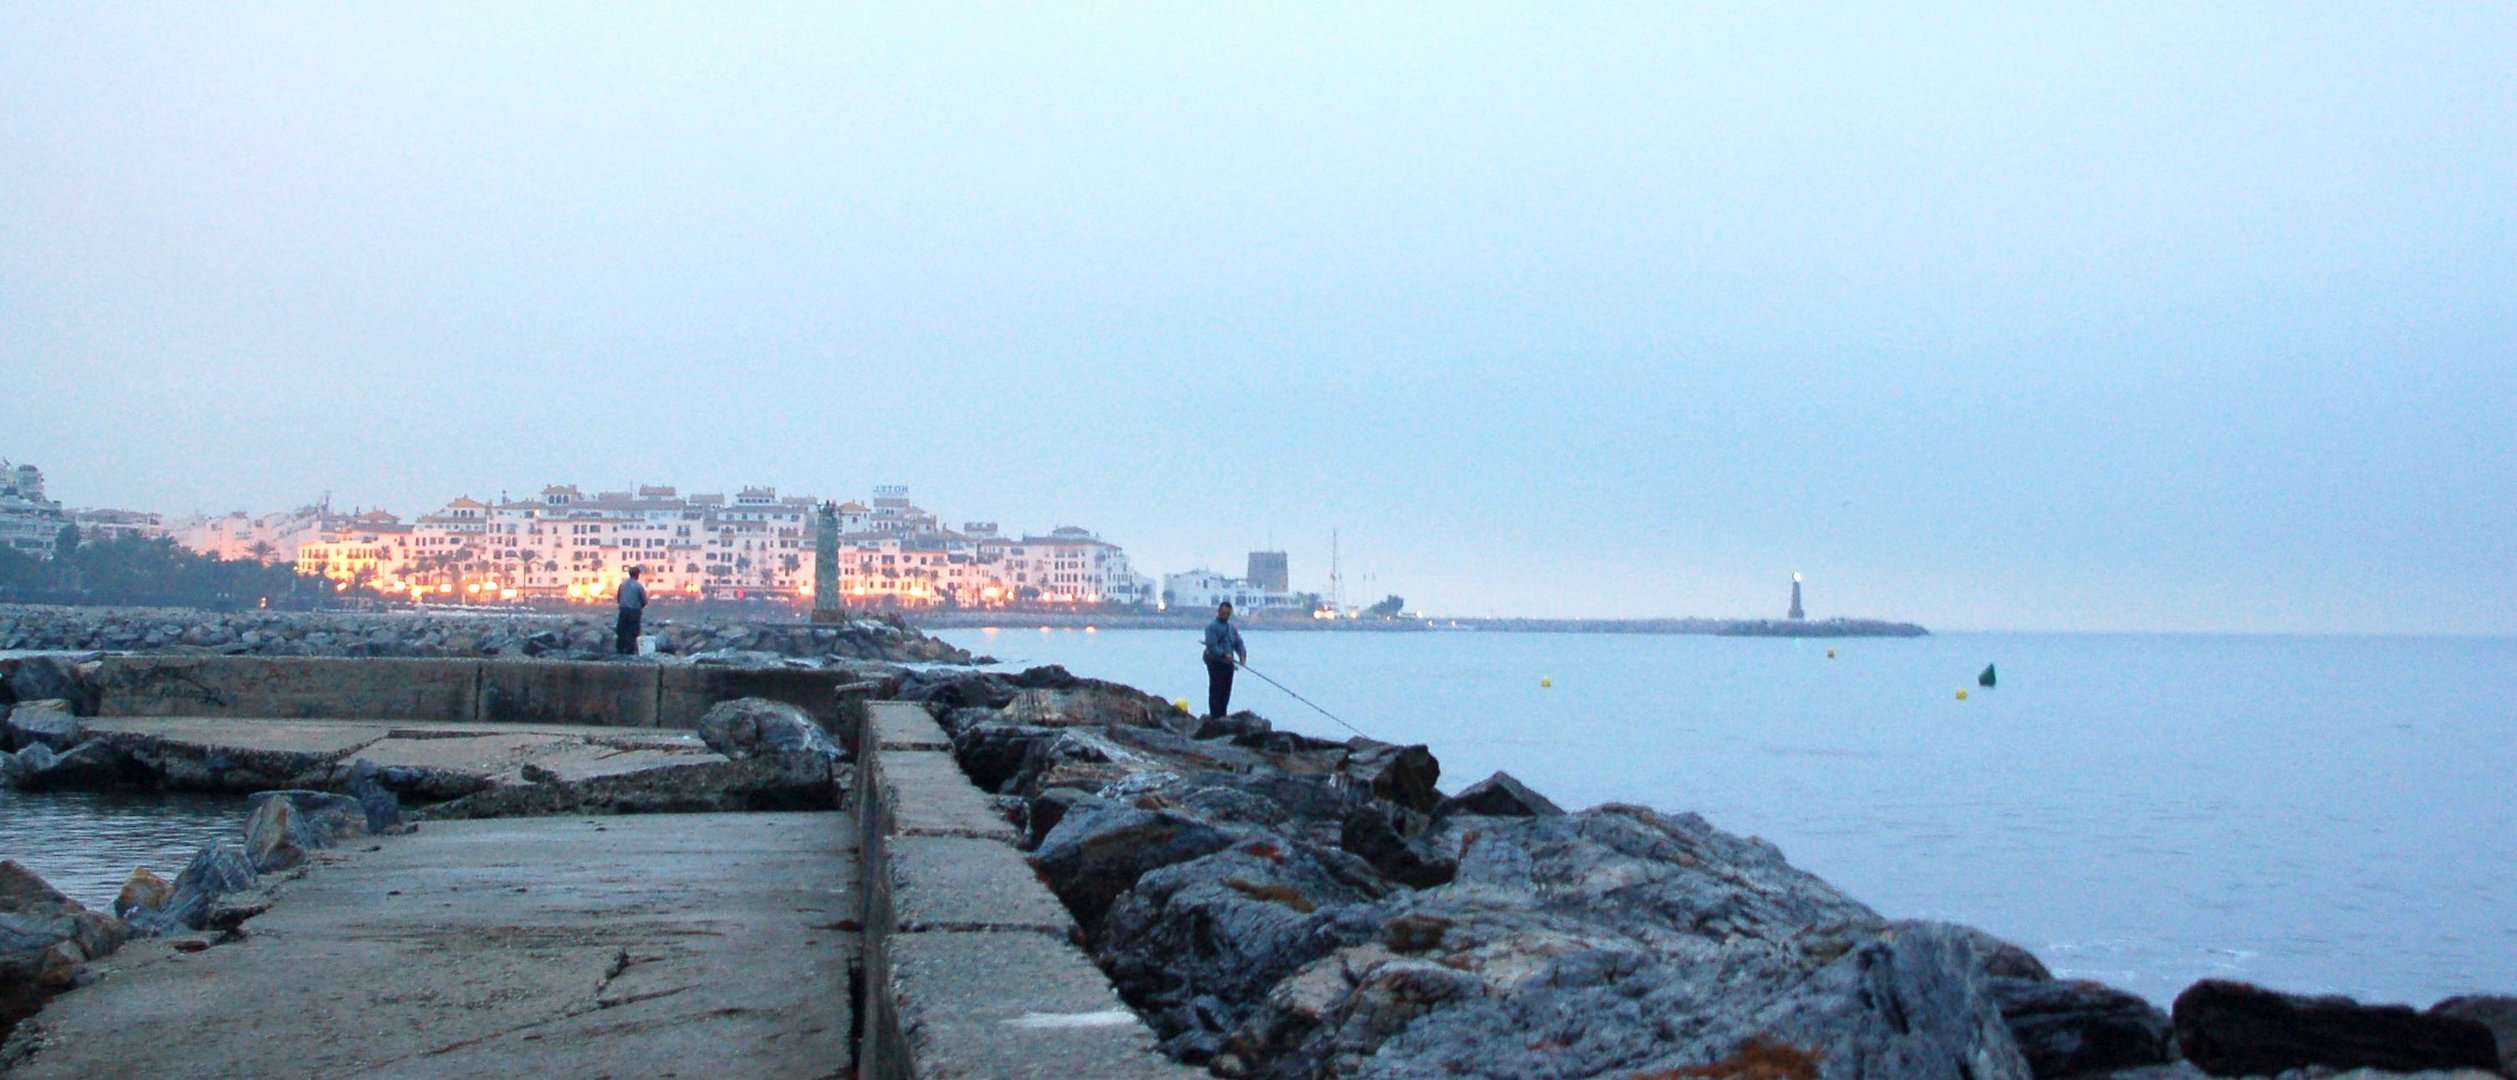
[{"x": 1796, "y": 612}]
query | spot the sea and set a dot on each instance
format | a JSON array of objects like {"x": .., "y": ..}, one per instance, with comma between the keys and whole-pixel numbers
[{"x": 2313, "y": 814}]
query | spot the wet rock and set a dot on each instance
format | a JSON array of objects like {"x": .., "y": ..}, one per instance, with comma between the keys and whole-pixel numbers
[
  {"x": 287, "y": 827},
  {"x": 228, "y": 911},
  {"x": 1043, "y": 814},
  {"x": 1499, "y": 795},
  {"x": 215, "y": 870},
  {"x": 960, "y": 691},
  {"x": 746, "y": 727},
  {"x": 993, "y": 753},
  {"x": 1242, "y": 727},
  {"x": 142, "y": 891},
  {"x": 45, "y": 938},
  {"x": 49, "y": 722},
  {"x": 382, "y": 808},
  {"x": 2236, "y": 1029},
  {"x": 1372, "y": 832},
  {"x": 53, "y": 676},
  {"x": 2494, "y": 1012},
  {"x": 1087, "y": 702},
  {"x": 1405, "y": 775},
  {"x": 2003, "y": 960},
  {"x": 1099, "y": 849},
  {"x": 1198, "y": 943},
  {"x": 2070, "y": 1028},
  {"x": 89, "y": 766}
]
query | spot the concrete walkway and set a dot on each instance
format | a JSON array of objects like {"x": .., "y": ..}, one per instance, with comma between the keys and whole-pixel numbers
[
  {"x": 703, "y": 945},
  {"x": 499, "y": 752}
]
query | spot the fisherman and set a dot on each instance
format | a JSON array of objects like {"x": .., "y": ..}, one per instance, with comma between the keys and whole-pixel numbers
[
  {"x": 1223, "y": 650},
  {"x": 633, "y": 604}
]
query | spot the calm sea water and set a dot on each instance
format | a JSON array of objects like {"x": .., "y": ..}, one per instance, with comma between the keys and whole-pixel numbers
[
  {"x": 2313, "y": 814},
  {"x": 86, "y": 843}
]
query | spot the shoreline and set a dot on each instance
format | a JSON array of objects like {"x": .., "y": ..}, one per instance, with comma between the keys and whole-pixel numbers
[{"x": 1784, "y": 628}]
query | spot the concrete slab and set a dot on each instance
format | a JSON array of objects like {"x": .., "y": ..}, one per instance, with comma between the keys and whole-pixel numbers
[
  {"x": 1015, "y": 1005},
  {"x": 288, "y": 686},
  {"x": 903, "y": 725},
  {"x": 568, "y": 692},
  {"x": 328, "y": 737},
  {"x": 926, "y": 794},
  {"x": 478, "y": 754},
  {"x": 712, "y": 945},
  {"x": 569, "y": 762},
  {"x": 958, "y": 883},
  {"x": 687, "y": 692}
]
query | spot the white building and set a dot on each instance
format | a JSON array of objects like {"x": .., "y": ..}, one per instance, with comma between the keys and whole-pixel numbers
[
  {"x": 1198, "y": 589},
  {"x": 28, "y": 521}
]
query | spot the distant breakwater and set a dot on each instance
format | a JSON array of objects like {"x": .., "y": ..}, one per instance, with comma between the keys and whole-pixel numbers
[
  {"x": 1185, "y": 619},
  {"x": 572, "y": 636}
]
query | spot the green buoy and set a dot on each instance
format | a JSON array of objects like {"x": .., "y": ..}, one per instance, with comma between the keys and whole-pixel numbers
[{"x": 1985, "y": 679}]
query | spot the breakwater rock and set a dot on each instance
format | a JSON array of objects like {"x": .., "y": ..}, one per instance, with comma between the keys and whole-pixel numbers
[
  {"x": 45, "y": 940},
  {"x": 586, "y": 636},
  {"x": 1283, "y": 906}
]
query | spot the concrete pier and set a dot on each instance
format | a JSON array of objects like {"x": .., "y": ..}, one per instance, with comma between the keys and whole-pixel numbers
[
  {"x": 906, "y": 936},
  {"x": 703, "y": 945}
]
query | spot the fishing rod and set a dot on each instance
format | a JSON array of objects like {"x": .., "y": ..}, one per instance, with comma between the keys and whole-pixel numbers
[{"x": 1245, "y": 666}]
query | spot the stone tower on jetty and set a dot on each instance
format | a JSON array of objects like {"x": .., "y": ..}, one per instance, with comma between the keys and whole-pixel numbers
[
  {"x": 1796, "y": 612},
  {"x": 826, "y": 565}
]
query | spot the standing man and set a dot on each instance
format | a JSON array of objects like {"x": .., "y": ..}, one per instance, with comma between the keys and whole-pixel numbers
[
  {"x": 633, "y": 601},
  {"x": 1223, "y": 649}
]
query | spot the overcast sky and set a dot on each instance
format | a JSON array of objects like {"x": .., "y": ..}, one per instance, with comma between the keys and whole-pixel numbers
[{"x": 2170, "y": 317}]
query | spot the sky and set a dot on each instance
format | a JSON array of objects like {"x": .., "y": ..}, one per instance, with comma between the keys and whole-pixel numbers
[{"x": 2122, "y": 317}]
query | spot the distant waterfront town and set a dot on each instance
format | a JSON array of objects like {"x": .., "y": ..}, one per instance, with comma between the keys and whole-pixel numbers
[{"x": 565, "y": 546}]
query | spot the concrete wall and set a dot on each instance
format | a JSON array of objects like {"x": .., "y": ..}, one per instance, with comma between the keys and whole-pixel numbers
[
  {"x": 971, "y": 965},
  {"x": 606, "y": 693}
]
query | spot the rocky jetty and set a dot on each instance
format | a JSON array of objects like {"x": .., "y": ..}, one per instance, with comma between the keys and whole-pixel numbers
[
  {"x": 1283, "y": 906},
  {"x": 575, "y": 636}
]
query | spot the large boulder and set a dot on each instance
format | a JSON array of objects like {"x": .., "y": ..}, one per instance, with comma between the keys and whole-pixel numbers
[
  {"x": 1405, "y": 775},
  {"x": 49, "y": 722},
  {"x": 2238, "y": 1029},
  {"x": 2068, "y": 1028},
  {"x": 744, "y": 727},
  {"x": 1099, "y": 849},
  {"x": 1499, "y": 795},
  {"x": 1378, "y": 833},
  {"x": 287, "y": 827},
  {"x": 1620, "y": 940},
  {"x": 142, "y": 891},
  {"x": 2498, "y": 1013},
  {"x": 1197, "y": 944},
  {"x": 45, "y": 938},
  {"x": 381, "y": 806},
  {"x": 47, "y": 676}
]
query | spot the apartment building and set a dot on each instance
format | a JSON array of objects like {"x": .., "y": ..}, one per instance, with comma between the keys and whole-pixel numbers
[{"x": 757, "y": 545}]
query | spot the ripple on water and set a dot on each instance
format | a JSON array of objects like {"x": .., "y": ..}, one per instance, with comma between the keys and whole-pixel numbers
[{"x": 86, "y": 843}]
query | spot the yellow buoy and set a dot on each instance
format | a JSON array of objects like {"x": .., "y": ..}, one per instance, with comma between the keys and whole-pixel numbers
[
  {"x": 1545, "y": 682},
  {"x": 1181, "y": 704},
  {"x": 1830, "y": 654},
  {"x": 1962, "y": 693}
]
